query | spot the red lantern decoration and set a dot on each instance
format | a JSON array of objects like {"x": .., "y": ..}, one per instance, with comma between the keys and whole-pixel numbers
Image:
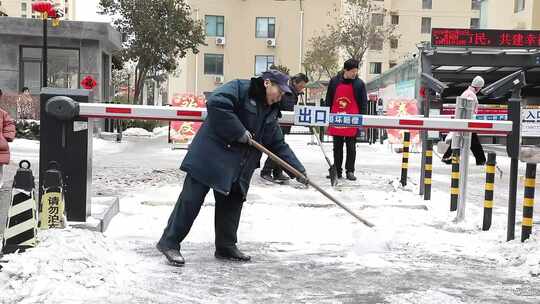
[
  {"x": 89, "y": 82},
  {"x": 42, "y": 6}
]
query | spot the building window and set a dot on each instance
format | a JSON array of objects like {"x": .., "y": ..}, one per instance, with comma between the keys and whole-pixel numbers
[
  {"x": 265, "y": 27},
  {"x": 392, "y": 64},
  {"x": 215, "y": 26},
  {"x": 213, "y": 64},
  {"x": 426, "y": 4},
  {"x": 263, "y": 63},
  {"x": 426, "y": 25},
  {"x": 475, "y": 23},
  {"x": 519, "y": 5},
  {"x": 62, "y": 68},
  {"x": 23, "y": 8},
  {"x": 375, "y": 67},
  {"x": 394, "y": 43},
  {"x": 377, "y": 19},
  {"x": 476, "y": 4},
  {"x": 377, "y": 44},
  {"x": 395, "y": 19}
]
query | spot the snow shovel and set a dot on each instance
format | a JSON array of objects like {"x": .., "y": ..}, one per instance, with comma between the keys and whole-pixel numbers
[
  {"x": 332, "y": 171},
  {"x": 296, "y": 173}
]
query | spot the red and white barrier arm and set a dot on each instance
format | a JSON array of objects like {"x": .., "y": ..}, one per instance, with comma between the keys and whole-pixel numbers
[
  {"x": 119, "y": 111},
  {"x": 437, "y": 124}
]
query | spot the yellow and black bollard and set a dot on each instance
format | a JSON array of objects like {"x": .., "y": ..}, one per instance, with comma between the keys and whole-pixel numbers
[
  {"x": 428, "y": 170},
  {"x": 528, "y": 201},
  {"x": 405, "y": 161},
  {"x": 454, "y": 185},
  {"x": 488, "y": 197},
  {"x": 21, "y": 226}
]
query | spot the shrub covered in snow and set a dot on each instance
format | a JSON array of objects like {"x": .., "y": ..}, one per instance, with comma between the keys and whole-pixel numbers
[{"x": 27, "y": 128}]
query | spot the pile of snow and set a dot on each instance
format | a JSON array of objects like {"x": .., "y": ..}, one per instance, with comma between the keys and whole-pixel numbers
[
  {"x": 137, "y": 132},
  {"x": 161, "y": 131},
  {"x": 68, "y": 265},
  {"x": 140, "y": 132}
]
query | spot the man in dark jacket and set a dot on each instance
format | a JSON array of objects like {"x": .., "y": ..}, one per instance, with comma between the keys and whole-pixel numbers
[
  {"x": 346, "y": 94},
  {"x": 220, "y": 158},
  {"x": 288, "y": 101}
]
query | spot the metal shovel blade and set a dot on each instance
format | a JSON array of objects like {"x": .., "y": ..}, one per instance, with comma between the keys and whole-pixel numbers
[{"x": 332, "y": 171}]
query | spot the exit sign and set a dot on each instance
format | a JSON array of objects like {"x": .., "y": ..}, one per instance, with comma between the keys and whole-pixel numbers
[{"x": 484, "y": 38}]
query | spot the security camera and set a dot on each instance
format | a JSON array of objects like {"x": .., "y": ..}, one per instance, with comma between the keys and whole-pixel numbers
[
  {"x": 504, "y": 85},
  {"x": 433, "y": 84}
]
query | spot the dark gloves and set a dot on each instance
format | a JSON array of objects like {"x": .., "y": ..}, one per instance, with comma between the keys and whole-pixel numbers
[
  {"x": 303, "y": 180},
  {"x": 245, "y": 139}
]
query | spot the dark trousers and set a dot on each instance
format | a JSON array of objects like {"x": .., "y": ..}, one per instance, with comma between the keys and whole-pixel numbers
[
  {"x": 270, "y": 167},
  {"x": 227, "y": 215},
  {"x": 350, "y": 142},
  {"x": 476, "y": 149}
]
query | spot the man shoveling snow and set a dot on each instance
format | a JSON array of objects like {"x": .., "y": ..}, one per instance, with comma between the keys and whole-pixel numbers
[{"x": 220, "y": 158}]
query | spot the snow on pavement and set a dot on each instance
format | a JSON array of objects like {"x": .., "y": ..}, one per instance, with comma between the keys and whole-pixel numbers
[{"x": 304, "y": 248}]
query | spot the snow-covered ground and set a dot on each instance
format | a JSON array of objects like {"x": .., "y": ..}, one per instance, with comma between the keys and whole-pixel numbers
[{"x": 304, "y": 248}]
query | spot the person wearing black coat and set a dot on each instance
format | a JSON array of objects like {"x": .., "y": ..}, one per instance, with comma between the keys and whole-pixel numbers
[
  {"x": 221, "y": 158},
  {"x": 272, "y": 171},
  {"x": 346, "y": 94}
]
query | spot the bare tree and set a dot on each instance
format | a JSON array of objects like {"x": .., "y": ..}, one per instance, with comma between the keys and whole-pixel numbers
[
  {"x": 360, "y": 27},
  {"x": 321, "y": 57},
  {"x": 159, "y": 33}
]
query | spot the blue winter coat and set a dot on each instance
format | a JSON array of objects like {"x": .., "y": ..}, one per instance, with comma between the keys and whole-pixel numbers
[{"x": 215, "y": 157}]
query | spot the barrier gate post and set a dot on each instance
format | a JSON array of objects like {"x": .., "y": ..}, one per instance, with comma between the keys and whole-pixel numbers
[
  {"x": 467, "y": 106},
  {"x": 67, "y": 143},
  {"x": 513, "y": 141}
]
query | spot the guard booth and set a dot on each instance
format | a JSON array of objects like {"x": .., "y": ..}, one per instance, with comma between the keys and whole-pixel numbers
[{"x": 428, "y": 83}]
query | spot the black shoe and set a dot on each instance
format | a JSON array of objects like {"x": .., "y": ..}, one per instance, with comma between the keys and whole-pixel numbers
[
  {"x": 350, "y": 176},
  {"x": 267, "y": 176},
  {"x": 447, "y": 161},
  {"x": 174, "y": 256},
  {"x": 231, "y": 254},
  {"x": 281, "y": 177}
]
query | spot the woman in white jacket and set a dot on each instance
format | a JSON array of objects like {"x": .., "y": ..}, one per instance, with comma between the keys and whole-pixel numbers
[{"x": 476, "y": 148}]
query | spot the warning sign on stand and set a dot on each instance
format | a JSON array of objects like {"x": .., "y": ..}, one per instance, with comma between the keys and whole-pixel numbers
[{"x": 530, "y": 126}]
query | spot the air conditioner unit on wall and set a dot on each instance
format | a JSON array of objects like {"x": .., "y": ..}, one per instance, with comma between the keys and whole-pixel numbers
[
  {"x": 220, "y": 40},
  {"x": 271, "y": 42},
  {"x": 218, "y": 80}
]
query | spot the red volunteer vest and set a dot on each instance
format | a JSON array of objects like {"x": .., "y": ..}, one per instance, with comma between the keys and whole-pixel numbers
[{"x": 344, "y": 103}]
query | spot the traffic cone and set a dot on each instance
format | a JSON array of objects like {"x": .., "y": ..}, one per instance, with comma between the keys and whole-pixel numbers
[
  {"x": 21, "y": 224},
  {"x": 52, "y": 205}
]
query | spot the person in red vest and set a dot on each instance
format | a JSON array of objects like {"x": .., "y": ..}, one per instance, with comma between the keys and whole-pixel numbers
[{"x": 346, "y": 94}]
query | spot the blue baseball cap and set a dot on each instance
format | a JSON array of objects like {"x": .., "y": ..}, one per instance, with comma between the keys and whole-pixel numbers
[{"x": 278, "y": 78}]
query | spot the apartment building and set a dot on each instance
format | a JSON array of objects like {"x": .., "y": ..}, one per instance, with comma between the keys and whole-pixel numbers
[
  {"x": 23, "y": 8},
  {"x": 511, "y": 14},
  {"x": 245, "y": 37},
  {"x": 414, "y": 20}
]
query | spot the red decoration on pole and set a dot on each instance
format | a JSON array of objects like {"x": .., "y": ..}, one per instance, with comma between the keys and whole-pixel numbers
[
  {"x": 52, "y": 13},
  {"x": 88, "y": 82}
]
